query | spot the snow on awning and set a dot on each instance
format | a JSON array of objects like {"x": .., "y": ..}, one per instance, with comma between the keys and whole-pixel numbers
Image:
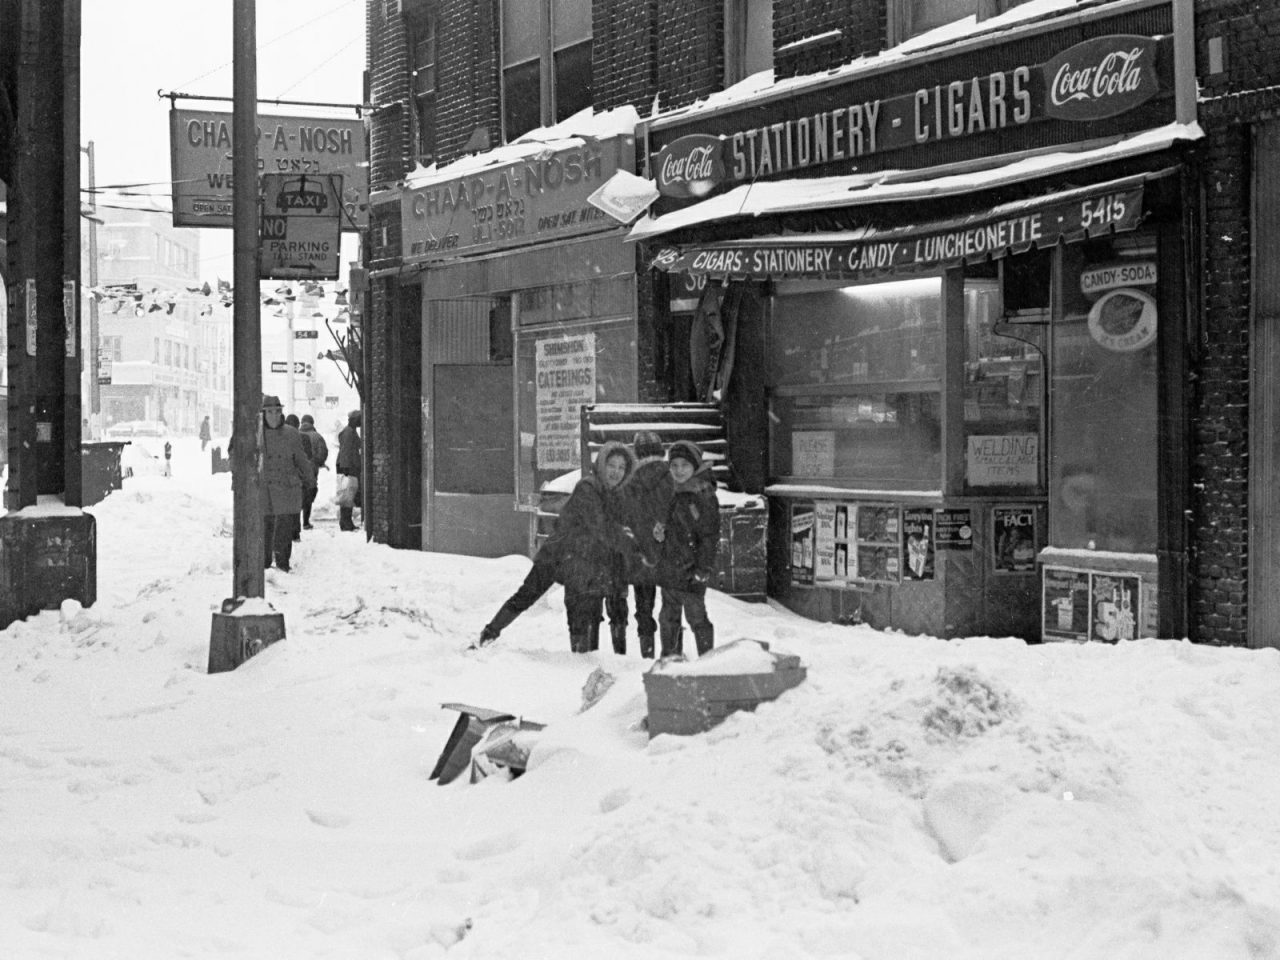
[
  {"x": 1111, "y": 207},
  {"x": 825, "y": 193}
]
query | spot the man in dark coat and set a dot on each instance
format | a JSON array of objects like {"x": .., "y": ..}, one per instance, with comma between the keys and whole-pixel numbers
[
  {"x": 645, "y": 497},
  {"x": 285, "y": 472},
  {"x": 205, "y": 434},
  {"x": 319, "y": 451},
  {"x": 690, "y": 540},
  {"x": 581, "y": 553},
  {"x": 348, "y": 464},
  {"x": 292, "y": 421}
]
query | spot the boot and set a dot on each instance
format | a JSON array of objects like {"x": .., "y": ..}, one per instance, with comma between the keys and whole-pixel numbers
[
  {"x": 672, "y": 641},
  {"x": 593, "y": 636},
  {"x": 619, "y": 632},
  {"x": 580, "y": 642},
  {"x": 646, "y": 645},
  {"x": 705, "y": 638}
]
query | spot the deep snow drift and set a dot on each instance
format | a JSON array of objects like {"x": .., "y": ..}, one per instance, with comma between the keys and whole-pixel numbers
[{"x": 912, "y": 799}]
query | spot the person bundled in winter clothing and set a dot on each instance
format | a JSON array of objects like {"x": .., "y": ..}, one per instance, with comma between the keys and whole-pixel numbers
[
  {"x": 206, "y": 434},
  {"x": 349, "y": 464},
  {"x": 319, "y": 452},
  {"x": 286, "y": 471},
  {"x": 645, "y": 499},
  {"x": 690, "y": 539},
  {"x": 581, "y": 553}
]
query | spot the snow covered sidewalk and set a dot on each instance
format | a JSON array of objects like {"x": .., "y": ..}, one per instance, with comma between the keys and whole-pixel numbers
[{"x": 911, "y": 799}]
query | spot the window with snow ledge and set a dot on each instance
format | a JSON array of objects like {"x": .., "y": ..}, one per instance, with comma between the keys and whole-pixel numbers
[
  {"x": 748, "y": 38},
  {"x": 910, "y": 18}
]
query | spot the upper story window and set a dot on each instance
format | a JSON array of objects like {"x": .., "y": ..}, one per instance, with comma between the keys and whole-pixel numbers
[
  {"x": 423, "y": 52},
  {"x": 910, "y": 18},
  {"x": 748, "y": 38},
  {"x": 546, "y": 62}
]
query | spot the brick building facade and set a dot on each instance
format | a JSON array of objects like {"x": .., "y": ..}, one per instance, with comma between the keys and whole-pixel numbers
[{"x": 662, "y": 56}]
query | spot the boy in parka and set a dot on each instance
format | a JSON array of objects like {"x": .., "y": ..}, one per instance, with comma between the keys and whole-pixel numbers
[
  {"x": 645, "y": 498},
  {"x": 690, "y": 539}
]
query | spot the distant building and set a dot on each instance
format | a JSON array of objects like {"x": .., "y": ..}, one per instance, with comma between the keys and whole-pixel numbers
[{"x": 164, "y": 344}]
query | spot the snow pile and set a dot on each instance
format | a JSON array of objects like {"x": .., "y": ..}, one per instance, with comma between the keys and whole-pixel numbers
[{"x": 912, "y": 798}]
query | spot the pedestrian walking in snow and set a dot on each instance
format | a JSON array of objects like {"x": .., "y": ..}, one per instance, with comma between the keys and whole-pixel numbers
[
  {"x": 581, "y": 553},
  {"x": 690, "y": 539},
  {"x": 292, "y": 420},
  {"x": 319, "y": 451},
  {"x": 206, "y": 433},
  {"x": 348, "y": 464},
  {"x": 645, "y": 499},
  {"x": 285, "y": 472},
  {"x": 168, "y": 458}
]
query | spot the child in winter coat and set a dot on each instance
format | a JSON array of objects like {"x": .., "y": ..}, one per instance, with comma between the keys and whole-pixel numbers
[
  {"x": 645, "y": 498},
  {"x": 690, "y": 539},
  {"x": 581, "y": 554}
]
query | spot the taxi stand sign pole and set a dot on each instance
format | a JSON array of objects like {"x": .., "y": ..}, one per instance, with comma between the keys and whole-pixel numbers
[{"x": 242, "y": 628}]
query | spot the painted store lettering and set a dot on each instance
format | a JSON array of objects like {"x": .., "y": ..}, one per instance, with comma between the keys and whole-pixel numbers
[
  {"x": 962, "y": 108},
  {"x": 793, "y": 144}
]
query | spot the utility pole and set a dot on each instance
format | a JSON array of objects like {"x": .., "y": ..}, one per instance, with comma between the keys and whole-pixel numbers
[
  {"x": 95, "y": 387},
  {"x": 236, "y": 636}
]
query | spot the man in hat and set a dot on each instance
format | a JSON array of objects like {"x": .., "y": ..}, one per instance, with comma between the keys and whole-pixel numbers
[
  {"x": 286, "y": 471},
  {"x": 349, "y": 464}
]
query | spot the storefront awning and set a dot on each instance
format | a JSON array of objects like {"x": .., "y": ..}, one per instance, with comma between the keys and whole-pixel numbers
[
  {"x": 826, "y": 193},
  {"x": 1113, "y": 206}
]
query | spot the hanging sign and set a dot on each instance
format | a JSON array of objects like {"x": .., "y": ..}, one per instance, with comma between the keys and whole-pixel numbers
[
  {"x": 1096, "y": 280},
  {"x": 1123, "y": 320},
  {"x": 201, "y": 151},
  {"x": 994, "y": 233},
  {"x": 300, "y": 226},
  {"x": 691, "y": 166},
  {"x": 1101, "y": 77},
  {"x": 565, "y": 369}
]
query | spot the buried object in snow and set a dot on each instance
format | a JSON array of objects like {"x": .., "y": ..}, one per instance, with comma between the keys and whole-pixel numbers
[
  {"x": 692, "y": 696},
  {"x": 487, "y": 741}
]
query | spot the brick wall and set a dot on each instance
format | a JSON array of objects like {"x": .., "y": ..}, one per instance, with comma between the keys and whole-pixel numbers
[
  {"x": 690, "y": 51},
  {"x": 389, "y": 140},
  {"x": 624, "y": 53},
  {"x": 467, "y": 66},
  {"x": 861, "y": 25}
]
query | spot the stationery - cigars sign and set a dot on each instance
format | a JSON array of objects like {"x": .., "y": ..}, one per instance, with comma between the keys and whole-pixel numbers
[{"x": 845, "y": 126}]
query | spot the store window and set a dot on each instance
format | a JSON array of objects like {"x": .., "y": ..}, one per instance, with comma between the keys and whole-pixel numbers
[
  {"x": 546, "y": 62},
  {"x": 1103, "y": 412},
  {"x": 856, "y": 384},
  {"x": 1003, "y": 389},
  {"x": 910, "y": 18},
  {"x": 576, "y": 344},
  {"x": 748, "y": 38}
]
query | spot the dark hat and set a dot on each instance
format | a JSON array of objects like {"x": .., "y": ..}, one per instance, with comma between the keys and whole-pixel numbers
[
  {"x": 270, "y": 400},
  {"x": 291, "y": 419},
  {"x": 647, "y": 444},
  {"x": 308, "y": 418},
  {"x": 686, "y": 450},
  {"x": 353, "y": 417}
]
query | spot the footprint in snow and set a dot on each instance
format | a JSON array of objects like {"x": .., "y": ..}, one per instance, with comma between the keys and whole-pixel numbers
[{"x": 328, "y": 818}]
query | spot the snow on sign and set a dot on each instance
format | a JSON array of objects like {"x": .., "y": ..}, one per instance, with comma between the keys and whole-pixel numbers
[{"x": 300, "y": 226}]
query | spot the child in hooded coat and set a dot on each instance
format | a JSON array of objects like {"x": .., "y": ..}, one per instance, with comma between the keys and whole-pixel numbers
[
  {"x": 690, "y": 540},
  {"x": 582, "y": 554},
  {"x": 646, "y": 498}
]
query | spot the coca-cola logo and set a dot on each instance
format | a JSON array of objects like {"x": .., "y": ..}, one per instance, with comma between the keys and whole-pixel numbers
[
  {"x": 1101, "y": 78},
  {"x": 691, "y": 166}
]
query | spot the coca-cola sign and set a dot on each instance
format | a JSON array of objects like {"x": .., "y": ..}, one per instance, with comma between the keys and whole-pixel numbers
[
  {"x": 1100, "y": 78},
  {"x": 691, "y": 166}
]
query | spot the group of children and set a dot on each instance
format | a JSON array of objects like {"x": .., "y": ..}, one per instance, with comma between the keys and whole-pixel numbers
[{"x": 638, "y": 520}]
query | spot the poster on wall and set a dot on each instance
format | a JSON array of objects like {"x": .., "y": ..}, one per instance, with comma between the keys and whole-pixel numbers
[
  {"x": 824, "y": 543},
  {"x": 802, "y": 534},
  {"x": 953, "y": 529},
  {"x": 1002, "y": 460},
  {"x": 1115, "y": 606},
  {"x": 1065, "y": 605},
  {"x": 565, "y": 368},
  {"x": 1014, "y": 539},
  {"x": 875, "y": 543},
  {"x": 917, "y": 544}
]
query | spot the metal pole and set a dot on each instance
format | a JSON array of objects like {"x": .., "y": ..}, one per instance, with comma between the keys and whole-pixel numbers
[
  {"x": 290, "y": 386},
  {"x": 247, "y": 533},
  {"x": 95, "y": 389}
]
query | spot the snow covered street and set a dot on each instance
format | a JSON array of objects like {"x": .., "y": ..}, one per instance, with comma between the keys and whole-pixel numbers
[{"x": 913, "y": 798}]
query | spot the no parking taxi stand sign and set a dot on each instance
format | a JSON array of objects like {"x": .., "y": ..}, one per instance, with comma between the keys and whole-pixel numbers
[{"x": 301, "y": 223}]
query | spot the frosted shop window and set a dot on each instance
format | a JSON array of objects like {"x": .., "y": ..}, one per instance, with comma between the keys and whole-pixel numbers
[
  {"x": 1003, "y": 385},
  {"x": 1103, "y": 413},
  {"x": 856, "y": 383},
  {"x": 560, "y": 367}
]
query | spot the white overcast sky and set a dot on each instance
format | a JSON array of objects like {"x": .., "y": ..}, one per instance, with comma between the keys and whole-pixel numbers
[{"x": 307, "y": 50}]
